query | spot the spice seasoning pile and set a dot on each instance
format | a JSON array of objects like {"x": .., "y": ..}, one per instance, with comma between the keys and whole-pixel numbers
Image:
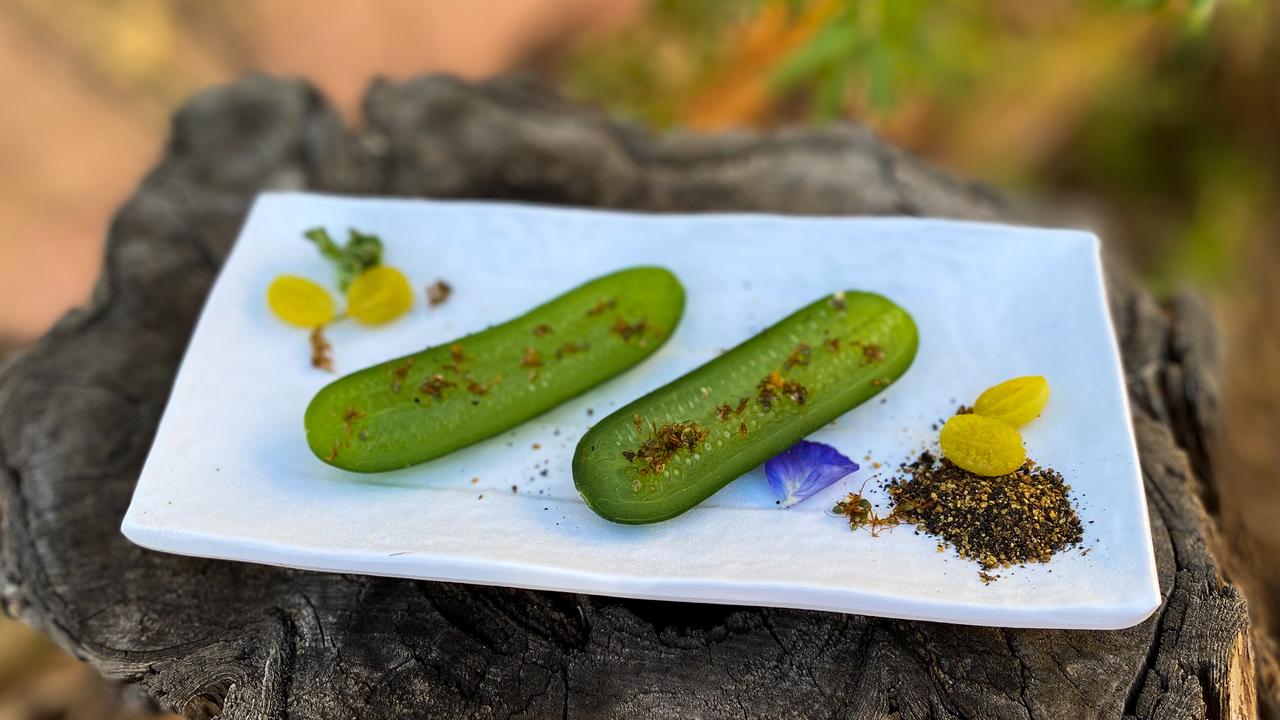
[
  {"x": 982, "y": 495},
  {"x": 1024, "y": 516}
]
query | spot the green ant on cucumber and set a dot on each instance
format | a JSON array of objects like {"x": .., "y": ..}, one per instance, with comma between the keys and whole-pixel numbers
[
  {"x": 421, "y": 406},
  {"x": 664, "y": 453}
]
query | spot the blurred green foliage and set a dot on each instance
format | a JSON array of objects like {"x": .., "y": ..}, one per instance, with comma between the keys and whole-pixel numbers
[
  {"x": 1158, "y": 115},
  {"x": 879, "y": 48},
  {"x": 896, "y": 45},
  {"x": 639, "y": 73}
]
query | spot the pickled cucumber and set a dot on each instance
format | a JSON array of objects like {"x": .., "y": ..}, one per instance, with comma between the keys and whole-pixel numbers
[
  {"x": 671, "y": 449},
  {"x": 422, "y": 406}
]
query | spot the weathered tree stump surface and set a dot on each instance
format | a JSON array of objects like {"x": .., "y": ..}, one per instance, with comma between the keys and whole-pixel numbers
[{"x": 207, "y": 637}]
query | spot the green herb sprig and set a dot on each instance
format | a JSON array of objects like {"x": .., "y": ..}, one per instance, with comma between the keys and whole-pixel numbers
[{"x": 362, "y": 251}]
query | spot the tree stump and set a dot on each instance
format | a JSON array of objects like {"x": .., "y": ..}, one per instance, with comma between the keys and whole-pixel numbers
[{"x": 208, "y": 637}]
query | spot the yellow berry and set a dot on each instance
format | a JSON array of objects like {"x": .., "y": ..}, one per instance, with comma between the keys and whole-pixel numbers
[
  {"x": 378, "y": 295},
  {"x": 298, "y": 301},
  {"x": 981, "y": 445},
  {"x": 1014, "y": 402}
]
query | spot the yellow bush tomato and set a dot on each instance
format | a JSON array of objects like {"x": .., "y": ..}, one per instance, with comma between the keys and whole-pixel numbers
[
  {"x": 981, "y": 445},
  {"x": 299, "y": 301},
  {"x": 379, "y": 295},
  {"x": 1014, "y": 402}
]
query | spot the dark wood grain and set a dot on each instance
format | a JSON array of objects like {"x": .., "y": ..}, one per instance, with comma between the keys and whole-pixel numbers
[{"x": 207, "y": 637}]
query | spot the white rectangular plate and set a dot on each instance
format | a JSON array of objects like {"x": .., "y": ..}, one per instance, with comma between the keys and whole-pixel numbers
[{"x": 230, "y": 475}]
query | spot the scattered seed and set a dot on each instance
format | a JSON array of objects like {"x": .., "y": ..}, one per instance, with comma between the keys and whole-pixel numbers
[{"x": 438, "y": 292}]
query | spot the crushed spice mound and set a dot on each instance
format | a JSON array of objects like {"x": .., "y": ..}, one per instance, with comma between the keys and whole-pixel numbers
[{"x": 1025, "y": 516}]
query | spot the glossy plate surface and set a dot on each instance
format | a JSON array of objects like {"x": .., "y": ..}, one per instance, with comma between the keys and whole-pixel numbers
[{"x": 230, "y": 476}]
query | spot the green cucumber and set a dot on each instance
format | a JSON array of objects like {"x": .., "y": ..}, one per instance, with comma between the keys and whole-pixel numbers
[
  {"x": 673, "y": 448},
  {"x": 422, "y": 406}
]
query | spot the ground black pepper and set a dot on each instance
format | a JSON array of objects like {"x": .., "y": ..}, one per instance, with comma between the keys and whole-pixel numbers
[{"x": 1025, "y": 516}]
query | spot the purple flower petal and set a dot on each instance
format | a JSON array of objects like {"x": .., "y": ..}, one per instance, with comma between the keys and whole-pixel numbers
[{"x": 805, "y": 468}]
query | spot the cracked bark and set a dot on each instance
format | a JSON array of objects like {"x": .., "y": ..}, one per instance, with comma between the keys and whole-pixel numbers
[{"x": 207, "y": 637}]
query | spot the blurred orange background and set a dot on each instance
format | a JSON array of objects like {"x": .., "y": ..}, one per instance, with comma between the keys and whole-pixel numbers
[{"x": 1156, "y": 120}]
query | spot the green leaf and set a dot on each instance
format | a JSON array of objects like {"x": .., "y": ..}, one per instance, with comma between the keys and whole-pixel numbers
[
  {"x": 880, "y": 90},
  {"x": 832, "y": 45},
  {"x": 831, "y": 93},
  {"x": 361, "y": 252},
  {"x": 1199, "y": 14},
  {"x": 327, "y": 246}
]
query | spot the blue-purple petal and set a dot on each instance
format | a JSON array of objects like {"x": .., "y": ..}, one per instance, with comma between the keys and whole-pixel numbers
[{"x": 804, "y": 469}]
